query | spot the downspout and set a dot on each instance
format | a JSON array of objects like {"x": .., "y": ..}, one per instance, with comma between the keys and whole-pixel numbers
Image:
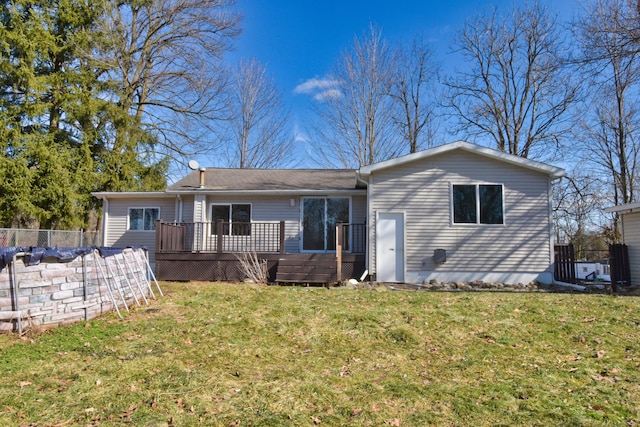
[
  {"x": 360, "y": 180},
  {"x": 179, "y": 205},
  {"x": 371, "y": 231},
  {"x": 105, "y": 219},
  {"x": 552, "y": 241},
  {"x": 367, "y": 252}
]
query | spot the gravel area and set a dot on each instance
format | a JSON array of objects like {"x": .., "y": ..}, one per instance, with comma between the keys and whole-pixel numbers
[{"x": 480, "y": 286}]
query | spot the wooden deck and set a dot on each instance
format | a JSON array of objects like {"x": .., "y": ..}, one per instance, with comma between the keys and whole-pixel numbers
[
  {"x": 206, "y": 251},
  {"x": 283, "y": 268}
]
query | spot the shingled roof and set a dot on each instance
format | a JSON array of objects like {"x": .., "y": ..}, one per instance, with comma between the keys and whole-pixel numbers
[{"x": 268, "y": 180}]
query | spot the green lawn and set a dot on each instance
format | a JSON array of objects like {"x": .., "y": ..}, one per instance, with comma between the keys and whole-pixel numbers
[{"x": 239, "y": 355}]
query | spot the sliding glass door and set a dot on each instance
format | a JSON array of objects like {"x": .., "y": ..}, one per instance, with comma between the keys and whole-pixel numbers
[{"x": 319, "y": 218}]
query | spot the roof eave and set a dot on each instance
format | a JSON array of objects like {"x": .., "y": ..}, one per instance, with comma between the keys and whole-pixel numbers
[
  {"x": 626, "y": 208},
  {"x": 292, "y": 192},
  {"x": 128, "y": 194},
  {"x": 553, "y": 171}
]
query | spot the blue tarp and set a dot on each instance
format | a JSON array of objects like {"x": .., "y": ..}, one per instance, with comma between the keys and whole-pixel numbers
[{"x": 36, "y": 254}]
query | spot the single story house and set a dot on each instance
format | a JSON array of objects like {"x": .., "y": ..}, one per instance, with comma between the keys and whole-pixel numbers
[
  {"x": 630, "y": 220},
  {"x": 457, "y": 212}
]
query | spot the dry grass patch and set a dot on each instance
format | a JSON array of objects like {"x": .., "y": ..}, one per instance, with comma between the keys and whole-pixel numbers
[{"x": 225, "y": 355}]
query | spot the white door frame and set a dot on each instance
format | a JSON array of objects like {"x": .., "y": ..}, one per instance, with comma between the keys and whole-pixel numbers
[{"x": 383, "y": 257}]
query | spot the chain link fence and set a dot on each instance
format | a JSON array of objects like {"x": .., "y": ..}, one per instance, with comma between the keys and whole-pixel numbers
[{"x": 48, "y": 238}]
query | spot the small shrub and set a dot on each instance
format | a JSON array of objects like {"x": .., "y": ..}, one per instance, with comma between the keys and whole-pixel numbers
[{"x": 254, "y": 269}]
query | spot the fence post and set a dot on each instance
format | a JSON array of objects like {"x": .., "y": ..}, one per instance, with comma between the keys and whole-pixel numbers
[
  {"x": 158, "y": 235},
  {"x": 619, "y": 266},
  {"x": 564, "y": 263}
]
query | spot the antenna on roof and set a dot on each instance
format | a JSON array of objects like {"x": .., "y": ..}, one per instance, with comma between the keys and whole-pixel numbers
[{"x": 193, "y": 164}]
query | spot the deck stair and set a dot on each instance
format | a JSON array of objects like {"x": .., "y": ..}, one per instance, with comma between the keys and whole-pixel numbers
[{"x": 307, "y": 268}]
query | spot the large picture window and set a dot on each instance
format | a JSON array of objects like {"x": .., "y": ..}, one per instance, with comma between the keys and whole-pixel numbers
[
  {"x": 236, "y": 218},
  {"x": 478, "y": 204},
  {"x": 143, "y": 219}
]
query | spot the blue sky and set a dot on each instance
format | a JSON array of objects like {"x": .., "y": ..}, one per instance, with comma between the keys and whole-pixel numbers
[{"x": 299, "y": 40}]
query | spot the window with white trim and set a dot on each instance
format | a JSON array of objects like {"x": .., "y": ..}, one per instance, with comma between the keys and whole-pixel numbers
[
  {"x": 143, "y": 219},
  {"x": 236, "y": 218},
  {"x": 478, "y": 204}
]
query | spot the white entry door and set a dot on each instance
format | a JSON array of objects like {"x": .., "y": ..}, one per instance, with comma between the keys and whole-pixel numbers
[{"x": 390, "y": 247}]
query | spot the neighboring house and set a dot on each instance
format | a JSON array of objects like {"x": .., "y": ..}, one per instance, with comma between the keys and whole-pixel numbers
[
  {"x": 457, "y": 212},
  {"x": 593, "y": 270},
  {"x": 630, "y": 221}
]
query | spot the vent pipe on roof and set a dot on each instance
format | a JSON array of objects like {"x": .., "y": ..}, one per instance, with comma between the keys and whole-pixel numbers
[{"x": 202, "y": 170}]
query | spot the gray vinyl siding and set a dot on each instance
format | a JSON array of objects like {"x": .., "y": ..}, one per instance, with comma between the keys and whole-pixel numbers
[
  {"x": 187, "y": 208},
  {"x": 269, "y": 209},
  {"x": 117, "y": 233},
  {"x": 631, "y": 223},
  {"x": 278, "y": 208},
  {"x": 422, "y": 189},
  {"x": 359, "y": 209}
]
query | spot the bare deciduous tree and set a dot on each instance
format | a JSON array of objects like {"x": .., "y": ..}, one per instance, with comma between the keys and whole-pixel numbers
[
  {"x": 164, "y": 58},
  {"x": 579, "y": 201},
  {"x": 516, "y": 92},
  {"x": 257, "y": 120},
  {"x": 413, "y": 89},
  {"x": 625, "y": 27},
  {"x": 357, "y": 113},
  {"x": 611, "y": 69}
]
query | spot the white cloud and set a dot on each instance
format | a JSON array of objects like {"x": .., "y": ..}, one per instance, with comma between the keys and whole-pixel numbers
[
  {"x": 327, "y": 94},
  {"x": 320, "y": 89},
  {"x": 316, "y": 85},
  {"x": 299, "y": 135}
]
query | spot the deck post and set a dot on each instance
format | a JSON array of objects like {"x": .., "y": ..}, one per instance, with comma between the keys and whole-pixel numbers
[
  {"x": 159, "y": 235},
  {"x": 339, "y": 234},
  {"x": 281, "y": 237},
  {"x": 219, "y": 228}
]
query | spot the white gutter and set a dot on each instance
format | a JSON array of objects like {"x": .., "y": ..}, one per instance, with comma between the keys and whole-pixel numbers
[
  {"x": 196, "y": 191},
  {"x": 297, "y": 192}
]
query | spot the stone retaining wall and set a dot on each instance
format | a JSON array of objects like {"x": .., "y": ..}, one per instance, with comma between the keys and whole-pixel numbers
[{"x": 53, "y": 293}]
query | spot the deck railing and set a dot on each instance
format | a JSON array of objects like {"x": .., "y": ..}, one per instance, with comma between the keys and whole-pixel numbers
[
  {"x": 353, "y": 237},
  {"x": 261, "y": 237}
]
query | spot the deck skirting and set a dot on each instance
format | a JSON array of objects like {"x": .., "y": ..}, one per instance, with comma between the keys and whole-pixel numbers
[{"x": 294, "y": 268}]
